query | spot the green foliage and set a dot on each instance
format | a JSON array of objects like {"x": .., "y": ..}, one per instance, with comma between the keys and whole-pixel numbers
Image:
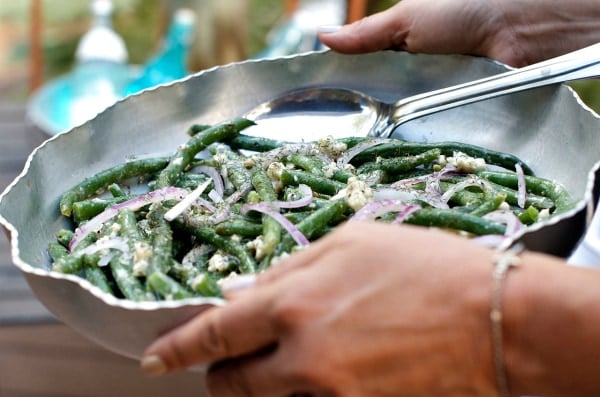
[{"x": 589, "y": 91}]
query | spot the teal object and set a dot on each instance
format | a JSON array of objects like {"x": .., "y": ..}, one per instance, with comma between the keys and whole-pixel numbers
[
  {"x": 171, "y": 62},
  {"x": 96, "y": 82}
]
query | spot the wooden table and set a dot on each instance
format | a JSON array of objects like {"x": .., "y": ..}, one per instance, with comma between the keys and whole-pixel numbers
[{"x": 39, "y": 356}]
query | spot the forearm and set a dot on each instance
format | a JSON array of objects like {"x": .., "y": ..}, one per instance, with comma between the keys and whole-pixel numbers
[{"x": 552, "y": 318}]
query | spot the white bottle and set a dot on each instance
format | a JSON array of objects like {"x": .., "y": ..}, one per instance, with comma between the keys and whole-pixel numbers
[{"x": 101, "y": 70}]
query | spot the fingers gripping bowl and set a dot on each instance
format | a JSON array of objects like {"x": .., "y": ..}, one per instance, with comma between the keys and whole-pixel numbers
[{"x": 548, "y": 128}]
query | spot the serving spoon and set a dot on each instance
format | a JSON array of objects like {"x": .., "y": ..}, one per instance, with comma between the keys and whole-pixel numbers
[{"x": 310, "y": 113}]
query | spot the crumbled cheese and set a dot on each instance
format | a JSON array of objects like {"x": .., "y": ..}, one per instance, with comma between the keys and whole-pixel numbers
[
  {"x": 199, "y": 279},
  {"x": 544, "y": 214},
  {"x": 466, "y": 163},
  {"x": 141, "y": 253},
  {"x": 332, "y": 147},
  {"x": 274, "y": 170},
  {"x": 218, "y": 263},
  {"x": 220, "y": 158},
  {"x": 250, "y": 162},
  {"x": 178, "y": 161},
  {"x": 358, "y": 193},
  {"x": 277, "y": 259},
  {"x": 330, "y": 169},
  {"x": 504, "y": 206},
  {"x": 115, "y": 228},
  {"x": 257, "y": 245},
  {"x": 227, "y": 278}
]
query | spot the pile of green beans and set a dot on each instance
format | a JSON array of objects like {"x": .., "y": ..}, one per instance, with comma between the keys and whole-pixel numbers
[{"x": 238, "y": 224}]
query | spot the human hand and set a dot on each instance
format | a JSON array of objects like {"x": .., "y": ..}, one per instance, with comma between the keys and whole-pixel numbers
[
  {"x": 370, "y": 309},
  {"x": 517, "y": 32}
]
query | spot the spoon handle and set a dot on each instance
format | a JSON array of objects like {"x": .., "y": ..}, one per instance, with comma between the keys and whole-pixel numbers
[{"x": 576, "y": 65}]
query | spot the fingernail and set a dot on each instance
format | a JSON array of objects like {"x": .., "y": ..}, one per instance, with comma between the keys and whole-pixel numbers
[
  {"x": 238, "y": 283},
  {"x": 329, "y": 28},
  {"x": 153, "y": 365}
]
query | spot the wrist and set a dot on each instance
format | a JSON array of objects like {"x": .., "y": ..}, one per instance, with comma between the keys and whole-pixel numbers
[{"x": 547, "y": 327}]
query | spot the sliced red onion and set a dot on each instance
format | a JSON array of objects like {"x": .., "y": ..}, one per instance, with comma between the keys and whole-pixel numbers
[
  {"x": 94, "y": 224},
  {"x": 406, "y": 212},
  {"x": 264, "y": 208},
  {"x": 521, "y": 186},
  {"x": 359, "y": 148},
  {"x": 220, "y": 215},
  {"x": 215, "y": 196},
  {"x": 104, "y": 244},
  {"x": 303, "y": 201},
  {"x": 470, "y": 181},
  {"x": 206, "y": 204},
  {"x": 239, "y": 194},
  {"x": 447, "y": 172},
  {"x": 512, "y": 222},
  {"x": 407, "y": 195},
  {"x": 187, "y": 201},
  {"x": 395, "y": 194},
  {"x": 214, "y": 174},
  {"x": 375, "y": 209}
]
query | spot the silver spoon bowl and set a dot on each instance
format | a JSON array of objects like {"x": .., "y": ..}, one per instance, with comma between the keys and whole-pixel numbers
[{"x": 308, "y": 113}]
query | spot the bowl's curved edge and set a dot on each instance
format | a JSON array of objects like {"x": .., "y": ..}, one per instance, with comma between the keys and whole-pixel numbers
[{"x": 580, "y": 216}]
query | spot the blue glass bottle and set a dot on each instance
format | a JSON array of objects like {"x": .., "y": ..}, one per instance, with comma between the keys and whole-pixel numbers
[{"x": 170, "y": 63}]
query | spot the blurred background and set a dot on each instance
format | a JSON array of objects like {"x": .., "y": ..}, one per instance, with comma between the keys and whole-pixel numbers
[
  {"x": 39, "y": 39},
  {"x": 43, "y": 43}
]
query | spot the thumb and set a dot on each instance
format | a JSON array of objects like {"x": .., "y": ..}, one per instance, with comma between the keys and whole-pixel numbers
[{"x": 381, "y": 31}]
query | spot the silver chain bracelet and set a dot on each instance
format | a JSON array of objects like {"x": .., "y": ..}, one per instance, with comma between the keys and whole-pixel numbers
[{"x": 503, "y": 262}]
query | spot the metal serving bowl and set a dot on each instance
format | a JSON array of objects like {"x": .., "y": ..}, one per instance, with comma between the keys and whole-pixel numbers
[{"x": 549, "y": 128}]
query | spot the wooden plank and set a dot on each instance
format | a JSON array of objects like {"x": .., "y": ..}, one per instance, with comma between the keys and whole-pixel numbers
[{"x": 53, "y": 360}]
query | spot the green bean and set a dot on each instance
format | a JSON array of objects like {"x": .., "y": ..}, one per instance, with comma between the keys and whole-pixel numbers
[
  {"x": 161, "y": 239},
  {"x": 271, "y": 228},
  {"x": 199, "y": 282},
  {"x": 57, "y": 250},
  {"x": 167, "y": 287},
  {"x": 543, "y": 187},
  {"x": 73, "y": 262},
  {"x": 529, "y": 215},
  {"x": 103, "y": 179},
  {"x": 187, "y": 151},
  {"x": 316, "y": 166},
  {"x": 454, "y": 220},
  {"x": 402, "y": 148},
  {"x": 87, "y": 209},
  {"x": 313, "y": 224},
  {"x": 122, "y": 264},
  {"x": 254, "y": 143},
  {"x": 239, "y": 227},
  {"x": 238, "y": 175},
  {"x": 208, "y": 235},
  {"x": 116, "y": 190},
  {"x": 401, "y": 164},
  {"x": 64, "y": 236},
  {"x": 95, "y": 275},
  {"x": 316, "y": 183},
  {"x": 197, "y": 128},
  {"x": 491, "y": 203}
]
